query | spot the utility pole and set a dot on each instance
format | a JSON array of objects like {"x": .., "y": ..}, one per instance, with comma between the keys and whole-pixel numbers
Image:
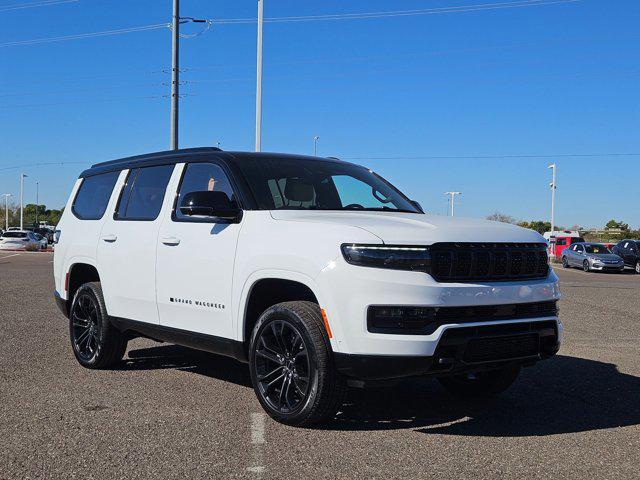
[
  {"x": 259, "y": 78},
  {"x": 315, "y": 145},
  {"x": 6, "y": 210},
  {"x": 453, "y": 200},
  {"x": 22, "y": 177},
  {"x": 553, "y": 207},
  {"x": 175, "y": 73}
]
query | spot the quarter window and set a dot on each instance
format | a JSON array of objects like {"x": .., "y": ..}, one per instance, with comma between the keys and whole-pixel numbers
[
  {"x": 143, "y": 193},
  {"x": 200, "y": 177},
  {"x": 93, "y": 196}
]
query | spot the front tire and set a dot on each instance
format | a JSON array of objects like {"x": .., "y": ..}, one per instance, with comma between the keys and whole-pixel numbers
[
  {"x": 481, "y": 384},
  {"x": 291, "y": 365},
  {"x": 95, "y": 341},
  {"x": 585, "y": 265}
]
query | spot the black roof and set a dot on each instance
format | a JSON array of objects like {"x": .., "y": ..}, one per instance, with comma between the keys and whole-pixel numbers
[{"x": 177, "y": 156}]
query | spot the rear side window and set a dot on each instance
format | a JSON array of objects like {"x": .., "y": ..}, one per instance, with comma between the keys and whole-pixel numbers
[
  {"x": 143, "y": 193},
  {"x": 93, "y": 196}
]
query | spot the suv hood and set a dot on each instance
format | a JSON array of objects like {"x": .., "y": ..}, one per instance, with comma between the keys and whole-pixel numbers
[{"x": 416, "y": 229}]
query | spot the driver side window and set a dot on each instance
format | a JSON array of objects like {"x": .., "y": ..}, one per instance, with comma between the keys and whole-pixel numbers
[{"x": 198, "y": 177}]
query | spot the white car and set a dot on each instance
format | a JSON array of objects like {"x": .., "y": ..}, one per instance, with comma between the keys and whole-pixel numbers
[
  {"x": 317, "y": 272},
  {"x": 19, "y": 240}
]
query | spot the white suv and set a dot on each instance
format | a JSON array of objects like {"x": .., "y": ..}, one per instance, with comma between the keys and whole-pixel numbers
[{"x": 317, "y": 272}]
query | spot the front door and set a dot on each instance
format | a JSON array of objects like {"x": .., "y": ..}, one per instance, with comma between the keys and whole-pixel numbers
[
  {"x": 128, "y": 242},
  {"x": 195, "y": 259}
]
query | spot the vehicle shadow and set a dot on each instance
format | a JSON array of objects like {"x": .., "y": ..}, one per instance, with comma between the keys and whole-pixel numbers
[
  {"x": 188, "y": 360},
  {"x": 561, "y": 395}
]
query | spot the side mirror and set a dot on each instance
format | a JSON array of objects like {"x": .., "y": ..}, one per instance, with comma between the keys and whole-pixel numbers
[
  {"x": 210, "y": 205},
  {"x": 417, "y": 205}
]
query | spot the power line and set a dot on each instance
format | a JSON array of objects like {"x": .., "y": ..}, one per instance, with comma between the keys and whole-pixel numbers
[
  {"x": 47, "y": 164},
  {"x": 79, "y": 36},
  {"x": 341, "y": 16},
  {"x": 106, "y": 100},
  {"x": 42, "y": 3},
  {"x": 481, "y": 157},
  {"x": 398, "y": 13}
]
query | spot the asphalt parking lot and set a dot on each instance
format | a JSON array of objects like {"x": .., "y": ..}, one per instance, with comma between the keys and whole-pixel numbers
[{"x": 170, "y": 412}]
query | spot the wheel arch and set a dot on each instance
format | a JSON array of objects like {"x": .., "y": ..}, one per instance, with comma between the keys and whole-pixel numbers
[
  {"x": 269, "y": 288},
  {"x": 79, "y": 273}
]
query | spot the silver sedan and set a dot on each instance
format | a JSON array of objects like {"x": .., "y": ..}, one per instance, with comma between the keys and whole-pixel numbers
[{"x": 591, "y": 256}]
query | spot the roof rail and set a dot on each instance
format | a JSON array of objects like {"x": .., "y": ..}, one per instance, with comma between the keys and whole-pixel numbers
[{"x": 166, "y": 153}]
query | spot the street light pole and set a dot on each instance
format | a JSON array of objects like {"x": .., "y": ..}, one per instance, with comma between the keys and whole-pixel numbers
[
  {"x": 553, "y": 204},
  {"x": 6, "y": 210},
  {"x": 259, "y": 78},
  {"x": 37, "y": 202},
  {"x": 453, "y": 200},
  {"x": 315, "y": 145},
  {"x": 22, "y": 177},
  {"x": 175, "y": 73}
]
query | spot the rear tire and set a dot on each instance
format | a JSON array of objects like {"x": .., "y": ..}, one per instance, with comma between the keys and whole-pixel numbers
[
  {"x": 291, "y": 365},
  {"x": 637, "y": 269},
  {"x": 565, "y": 263},
  {"x": 96, "y": 343},
  {"x": 481, "y": 384}
]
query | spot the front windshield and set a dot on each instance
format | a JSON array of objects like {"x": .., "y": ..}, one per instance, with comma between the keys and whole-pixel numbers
[
  {"x": 596, "y": 248},
  {"x": 14, "y": 235},
  {"x": 290, "y": 183}
]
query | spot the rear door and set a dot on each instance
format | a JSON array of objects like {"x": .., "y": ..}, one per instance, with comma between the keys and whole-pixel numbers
[
  {"x": 127, "y": 244},
  {"x": 196, "y": 258}
]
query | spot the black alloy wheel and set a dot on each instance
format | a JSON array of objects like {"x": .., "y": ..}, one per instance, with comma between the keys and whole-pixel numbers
[
  {"x": 282, "y": 366},
  {"x": 85, "y": 326},
  {"x": 96, "y": 343},
  {"x": 291, "y": 365}
]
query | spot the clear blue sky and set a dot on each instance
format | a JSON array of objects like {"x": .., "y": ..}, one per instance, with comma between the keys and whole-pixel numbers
[{"x": 541, "y": 80}]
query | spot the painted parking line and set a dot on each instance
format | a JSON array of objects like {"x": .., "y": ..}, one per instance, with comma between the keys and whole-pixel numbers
[
  {"x": 257, "y": 467},
  {"x": 570, "y": 270},
  {"x": 9, "y": 256}
]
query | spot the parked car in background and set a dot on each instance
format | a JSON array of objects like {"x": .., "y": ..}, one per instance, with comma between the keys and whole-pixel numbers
[
  {"x": 559, "y": 241},
  {"x": 629, "y": 250},
  {"x": 591, "y": 256},
  {"x": 45, "y": 232},
  {"x": 42, "y": 240},
  {"x": 19, "y": 240}
]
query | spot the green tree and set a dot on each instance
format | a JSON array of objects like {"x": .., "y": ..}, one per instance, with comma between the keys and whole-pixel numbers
[
  {"x": 539, "y": 226},
  {"x": 616, "y": 224},
  {"x": 501, "y": 217}
]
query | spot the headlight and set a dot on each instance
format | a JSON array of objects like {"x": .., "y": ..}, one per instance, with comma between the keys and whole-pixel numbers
[{"x": 388, "y": 256}]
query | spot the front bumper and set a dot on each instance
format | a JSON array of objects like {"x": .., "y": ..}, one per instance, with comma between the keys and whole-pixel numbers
[
  {"x": 460, "y": 350},
  {"x": 348, "y": 291},
  {"x": 607, "y": 266}
]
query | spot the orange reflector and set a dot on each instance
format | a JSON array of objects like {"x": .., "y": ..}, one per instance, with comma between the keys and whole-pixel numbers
[{"x": 326, "y": 323}]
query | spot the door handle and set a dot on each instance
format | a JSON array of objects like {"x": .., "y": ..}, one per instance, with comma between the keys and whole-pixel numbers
[
  {"x": 109, "y": 238},
  {"x": 170, "y": 240}
]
